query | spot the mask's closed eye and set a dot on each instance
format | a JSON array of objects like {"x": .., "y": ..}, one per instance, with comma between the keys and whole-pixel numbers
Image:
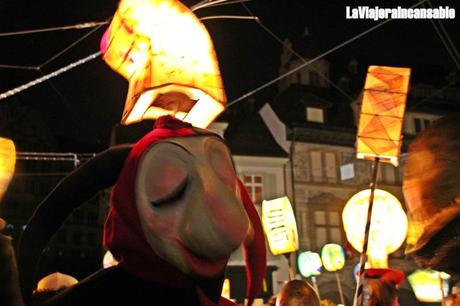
[
  {"x": 173, "y": 190},
  {"x": 166, "y": 176}
]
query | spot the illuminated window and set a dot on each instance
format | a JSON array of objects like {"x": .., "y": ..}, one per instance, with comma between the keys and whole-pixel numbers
[
  {"x": 315, "y": 114},
  {"x": 254, "y": 185}
]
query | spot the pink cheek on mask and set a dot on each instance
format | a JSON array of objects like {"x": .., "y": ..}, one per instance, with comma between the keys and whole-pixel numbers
[
  {"x": 223, "y": 169},
  {"x": 163, "y": 225}
]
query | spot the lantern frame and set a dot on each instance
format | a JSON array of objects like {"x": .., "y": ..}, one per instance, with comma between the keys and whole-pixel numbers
[
  {"x": 309, "y": 264},
  {"x": 280, "y": 226},
  {"x": 333, "y": 257},
  {"x": 354, "y": 220}
]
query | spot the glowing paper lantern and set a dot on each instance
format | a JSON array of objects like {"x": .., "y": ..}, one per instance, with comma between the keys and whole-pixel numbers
[
  {"x": 55, "y": 281},
  {"x": 382, "y": 113},
  {"x": 108, "y": 260},
  {"x": 388, "y": 225},
  {"x": 280, "y": 226},
  {"x": 427, "y": 285},
  {"x": 333, "y": 257},
  {"x": 7, "y": 163},
  {"x": 226, "y": 289},
  {"x": 167, "y": 55},
  {"x": 309, "y": 264}
]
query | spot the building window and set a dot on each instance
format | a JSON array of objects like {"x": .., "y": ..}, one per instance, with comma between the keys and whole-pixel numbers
[
  {"x": 324, "y": 166},
  {"x": 255, "y": 187},
  {"x": 327, "y": 228},
  {"x": 421, "y": 124},
  {"x": 314, "y": 78},
  {"x": 316, "y": 163},
  {"x": 331, "y": 166},
  {"x": 299, "y": 77},
  {"x": 304, "y": 230},
  {"x": 315, "y": 114}
]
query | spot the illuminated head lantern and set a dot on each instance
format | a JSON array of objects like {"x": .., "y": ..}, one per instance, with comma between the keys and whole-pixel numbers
[
  {"x": 189, "y": 204},
  {"x": 333, "y": 257},
  {"x": 167, "y": 55},
  {"x": 309, "y": 264},
  {"x": 388, "y": 225},
  {"x": 280, "y": 226},
  {"x": 382, "y": 114},
  {"x": 427, "y": 285},
  {"x": 179, "y": 207}
]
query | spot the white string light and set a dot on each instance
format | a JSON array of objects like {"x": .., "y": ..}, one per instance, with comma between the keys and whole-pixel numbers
[
  {"x": 250, "y": 93},
  {"x": 285, "y": 45},
  {"x": 208, "y": 3},
  {"x": 76, "y": 158},
  {"x": 71, "y": 27},
  {"x": 229, "y": 17},
  {"x": 48, "y": 76}
]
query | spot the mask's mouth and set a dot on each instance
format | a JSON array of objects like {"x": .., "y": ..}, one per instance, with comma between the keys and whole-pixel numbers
[{"x": 201, "y": 266}]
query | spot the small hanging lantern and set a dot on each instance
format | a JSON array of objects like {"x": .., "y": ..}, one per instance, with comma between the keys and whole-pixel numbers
[
  {"x": 333, "y": 257},
  {"x": 382, "y": 113},
  {"x": 309, "y": 264},
  {"x": 280, "y": 226},
  {"x": 388, "y": 225},
  {"x": 7, "y": 163},
  {"x": 427, "y": 285},
  {"x": 167, "y": 55}
]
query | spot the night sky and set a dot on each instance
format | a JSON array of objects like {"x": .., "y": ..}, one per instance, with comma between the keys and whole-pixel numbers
[{"x": 93, "y": 95}]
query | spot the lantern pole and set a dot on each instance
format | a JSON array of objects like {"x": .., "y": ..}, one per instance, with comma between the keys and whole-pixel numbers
[
  {"x": 339, "y": 285},
  {"x": 359, "y": 293},
  {"x": 290, "y": 270},
  {"x": 443, "y": 302},
  {"x": 315, "y": 285}
]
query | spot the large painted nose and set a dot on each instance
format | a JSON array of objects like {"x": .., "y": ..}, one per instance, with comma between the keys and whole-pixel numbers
[{"x": 215, "y": 222}]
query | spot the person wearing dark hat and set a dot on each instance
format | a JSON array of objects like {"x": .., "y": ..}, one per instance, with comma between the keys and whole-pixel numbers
[
  {"x": 382, "y": 286},
  {"x": 178, "y": 212},
  {"x": 431, "y": 189}
]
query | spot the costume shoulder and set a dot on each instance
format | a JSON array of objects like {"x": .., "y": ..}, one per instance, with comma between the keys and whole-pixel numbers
[
  {"x": 114, "y": 286},
  {"x": 82, "y": 184}
]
